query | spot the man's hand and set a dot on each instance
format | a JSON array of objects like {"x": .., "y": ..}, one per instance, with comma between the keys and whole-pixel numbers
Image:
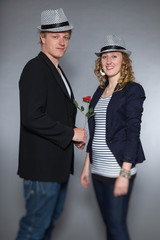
[{"x": 80, "y": 135}]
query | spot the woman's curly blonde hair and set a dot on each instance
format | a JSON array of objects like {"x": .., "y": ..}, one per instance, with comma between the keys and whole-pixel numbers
[{"x": 127, "y": 74}]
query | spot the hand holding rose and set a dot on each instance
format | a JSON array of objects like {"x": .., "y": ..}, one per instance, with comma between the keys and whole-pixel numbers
[{"x": 80, "y": 136}]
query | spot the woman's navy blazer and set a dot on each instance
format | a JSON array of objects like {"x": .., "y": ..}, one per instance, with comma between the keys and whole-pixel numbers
[{"x": 123, "y": 123}]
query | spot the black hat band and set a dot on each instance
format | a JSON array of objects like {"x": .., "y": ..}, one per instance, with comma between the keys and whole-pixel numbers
[
  {"x": 112, "y": 47},
  {"x": 56, "y": 25}
]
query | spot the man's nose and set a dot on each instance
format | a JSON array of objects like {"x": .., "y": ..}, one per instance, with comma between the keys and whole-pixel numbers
[{"x": 61, "y": 41}]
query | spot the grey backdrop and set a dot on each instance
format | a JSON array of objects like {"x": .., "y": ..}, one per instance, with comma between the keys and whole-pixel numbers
[{"x": 138, "y": 23}]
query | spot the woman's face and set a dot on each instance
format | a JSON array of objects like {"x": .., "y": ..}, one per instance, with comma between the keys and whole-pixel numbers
[{"x": 112, "y": 64}]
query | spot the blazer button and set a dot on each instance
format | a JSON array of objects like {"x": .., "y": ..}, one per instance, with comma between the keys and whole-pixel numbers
[{"x": 110, "y": 140}]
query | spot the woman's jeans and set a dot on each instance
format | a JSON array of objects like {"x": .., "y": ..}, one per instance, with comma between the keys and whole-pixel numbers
[
  {"x": 113, "y": 209},
  {"x": 44, "y": 203}
]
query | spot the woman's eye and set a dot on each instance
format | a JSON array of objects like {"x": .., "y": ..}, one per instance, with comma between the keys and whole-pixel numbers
[{"x": 114, "y": 56}]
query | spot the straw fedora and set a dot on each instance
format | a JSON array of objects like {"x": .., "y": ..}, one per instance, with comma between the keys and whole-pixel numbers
[
  {"x": 113, "y": 43},
  {"x": 54, "y": 21}
]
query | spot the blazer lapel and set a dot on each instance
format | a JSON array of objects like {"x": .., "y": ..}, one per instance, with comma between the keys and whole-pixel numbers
[
  {"x": 56, "y": 74},
  {"x": 114, "y": 100},
  {"x": 112, "y": 103},
  {"x": 96, "y": 96},
  {"x": 72, "y": 95}
]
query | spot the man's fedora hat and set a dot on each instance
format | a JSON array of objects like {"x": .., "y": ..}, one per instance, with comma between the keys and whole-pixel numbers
[
  {"x": 54, "y": 21},
  {"x": 113, "y": 43}
]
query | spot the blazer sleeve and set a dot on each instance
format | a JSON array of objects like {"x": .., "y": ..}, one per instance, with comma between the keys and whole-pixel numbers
[
  {"x": 33, "y": 98},
  {"x": 134, "y": 108}
]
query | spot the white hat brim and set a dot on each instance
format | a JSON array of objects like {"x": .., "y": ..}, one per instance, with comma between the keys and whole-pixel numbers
[{"x": 114, "y": 50}]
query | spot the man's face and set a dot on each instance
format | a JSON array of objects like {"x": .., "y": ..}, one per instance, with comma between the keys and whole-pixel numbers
[{"x": 55, "y": 44}]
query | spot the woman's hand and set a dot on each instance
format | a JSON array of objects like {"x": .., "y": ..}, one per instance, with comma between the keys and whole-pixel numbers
[
  {"x": 80, "y": 145},
  {"x": 85, "y": 181},
  {"x": 121, "y": 186}
]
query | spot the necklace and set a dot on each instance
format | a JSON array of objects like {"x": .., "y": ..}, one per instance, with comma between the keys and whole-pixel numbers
[{"x": 109, "y": 90}]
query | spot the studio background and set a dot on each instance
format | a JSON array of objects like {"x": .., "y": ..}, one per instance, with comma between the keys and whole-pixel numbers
[{"x": 138, "y": 24}]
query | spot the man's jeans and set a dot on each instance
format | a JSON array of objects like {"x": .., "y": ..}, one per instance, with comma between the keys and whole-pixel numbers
[{"x": 44, "y": 203}]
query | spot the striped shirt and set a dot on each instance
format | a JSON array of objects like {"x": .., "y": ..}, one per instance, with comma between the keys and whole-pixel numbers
[{"x": 104, "y": 162}]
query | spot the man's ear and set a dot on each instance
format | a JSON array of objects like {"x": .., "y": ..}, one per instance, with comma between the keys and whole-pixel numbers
[{"x": 42, "y": 37}]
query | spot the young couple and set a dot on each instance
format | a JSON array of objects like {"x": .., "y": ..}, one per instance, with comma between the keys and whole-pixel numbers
[{"x": 48, "y": 132}]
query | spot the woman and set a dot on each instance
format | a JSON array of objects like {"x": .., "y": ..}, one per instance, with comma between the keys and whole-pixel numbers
[{"x": 114, "y": 147}]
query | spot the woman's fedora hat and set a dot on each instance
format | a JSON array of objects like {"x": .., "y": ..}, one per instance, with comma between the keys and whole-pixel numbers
[
  {"x": 54, "y": 21},
  {"x": 113, "y": 43}
]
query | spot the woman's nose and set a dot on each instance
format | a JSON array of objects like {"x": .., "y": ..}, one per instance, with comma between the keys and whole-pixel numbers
[{"x": 108, "y": 60}]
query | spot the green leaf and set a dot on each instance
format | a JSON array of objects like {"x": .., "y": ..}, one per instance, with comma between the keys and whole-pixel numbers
[
  {"x": 91, "y": 110},
  {"x": 75, "y": 103},
  {"x": 91, "y": 115},
  {"x": 82, "y": 108},
  {"x": 87, "y": 114}
]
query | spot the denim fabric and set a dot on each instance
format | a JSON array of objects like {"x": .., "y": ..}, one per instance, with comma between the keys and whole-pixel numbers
[
  {"x": 113, "y": 210},
  {"x": 44, "y": 204}
]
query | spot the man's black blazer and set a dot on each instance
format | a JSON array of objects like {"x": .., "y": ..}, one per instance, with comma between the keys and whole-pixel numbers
[
  {"x": 123, "y": 123},
  {"x": 47, "y": 116}
]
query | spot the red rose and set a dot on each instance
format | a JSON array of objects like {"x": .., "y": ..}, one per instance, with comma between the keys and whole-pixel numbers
[
  {"x": 87, "y": 99},
  {"x": 89, "y": 113}
]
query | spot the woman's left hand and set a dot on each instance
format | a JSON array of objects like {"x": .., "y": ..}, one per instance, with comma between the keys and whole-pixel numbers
[
  {"x": 80, "y": 145},
  {"x": 121, "y": 186}
]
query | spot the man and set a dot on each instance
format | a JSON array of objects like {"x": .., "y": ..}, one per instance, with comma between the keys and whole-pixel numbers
[{"x": 47, "y": 129}]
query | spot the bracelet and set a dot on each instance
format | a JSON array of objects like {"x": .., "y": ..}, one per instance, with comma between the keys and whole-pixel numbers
[
  {"x": 125, "y": 170},
  {"x": 125, "y": 173}
]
